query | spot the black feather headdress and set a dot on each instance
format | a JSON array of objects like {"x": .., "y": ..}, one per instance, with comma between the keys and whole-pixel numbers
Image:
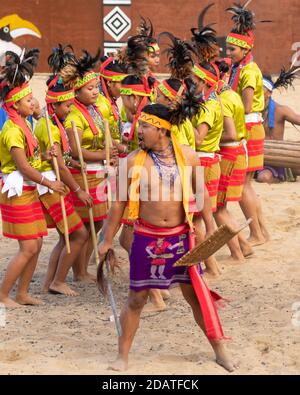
[
  {"x": 133, "y": 57},
  {"x": 60, "y": 57},
  {"x": 244, "y": 19},
  {"x": 179, "y": 56},
  {"x": 18, "y": 70},
  {"x": 286, "y": 77},
  {"x": 188, "y": 105},
  {"x": 77, "y": 68},
  {"x": 204, "y": 38},
  {"x": 145, "y": 28}
]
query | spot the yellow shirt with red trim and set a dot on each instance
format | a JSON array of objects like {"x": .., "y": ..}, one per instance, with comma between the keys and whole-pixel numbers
[
  {"x": 251, "y": 77},
  {"x": 12, "y": 136},
  {"x": 105, "y": 108},
  {"x": 83, "y": 126},
  {"x": 213, "y": 117},
  {"x": 233, "y": 107},
  {"x": 185, "y": 133},
  {"x": 41, "y": 133}
]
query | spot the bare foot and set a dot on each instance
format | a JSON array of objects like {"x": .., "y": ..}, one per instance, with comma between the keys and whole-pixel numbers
[
  {"x": 62, "y": 289},
  {"x": 28, "y": 300},
  {"x": 45, "y": 288},
  {"x": 228, "y": 364},
  {"x": 155, "y": 297},
  {"x": 165, "y": 294},
  {"x": 9, "y": 303},
  {"x": 223, "y": 357},
  {"x": 87, "y": 278},
  {"x": 211, "y": 275},
  {"x": 247, "y": 250},
  {"x": 265, "y": 233},
  {"x": 153, "y": 308},
  {"x": 254, "y": 242},
  {"x": 234, "y": 261},
  {"x": 120, "y": 365}
]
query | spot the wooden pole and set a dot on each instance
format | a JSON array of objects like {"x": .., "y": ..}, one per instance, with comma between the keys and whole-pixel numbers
[
  {"x": 108, "y": 146},
  {"x": 62, "y": 201},
  {"x": 86, "y": 188}
]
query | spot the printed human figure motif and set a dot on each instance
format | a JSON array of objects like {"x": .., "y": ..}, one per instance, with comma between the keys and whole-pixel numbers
[{"x": 157, "y": 251}]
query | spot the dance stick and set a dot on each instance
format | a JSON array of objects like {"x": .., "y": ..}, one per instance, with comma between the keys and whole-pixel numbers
[
  {"x": 86, "y": 188},
  {"x": 62, "y": 201}
]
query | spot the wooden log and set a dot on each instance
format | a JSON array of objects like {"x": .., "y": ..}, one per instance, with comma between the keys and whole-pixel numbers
[{"x": 282, "y": 153}]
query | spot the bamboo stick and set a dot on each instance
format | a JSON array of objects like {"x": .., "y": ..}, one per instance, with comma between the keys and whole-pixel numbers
[
  {"x": 86, "y": 188},
  {"x": 62, "y": 201},
  {"x": 108, "y": 146}
]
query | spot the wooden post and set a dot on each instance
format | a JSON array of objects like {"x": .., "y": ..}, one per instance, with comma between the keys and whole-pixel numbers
[
  {"x": 86, "y": 188},
  {"x": 62, "y": 201},
  {"x": 108, "y": 146}
]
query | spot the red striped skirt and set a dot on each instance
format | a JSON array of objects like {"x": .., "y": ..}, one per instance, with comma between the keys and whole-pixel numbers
[
  {"x": 255, "y": 146},
  {"x": 233, "y": 173},
  {"x": 97, "y": 190},
  {"x": 53, "y": 213},
  {"x": 22, "y": 216},
  {"x": 212, "y": 173}
]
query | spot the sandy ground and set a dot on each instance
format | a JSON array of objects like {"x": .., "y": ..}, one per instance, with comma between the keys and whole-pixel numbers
[{"x": 75, "y": 336}]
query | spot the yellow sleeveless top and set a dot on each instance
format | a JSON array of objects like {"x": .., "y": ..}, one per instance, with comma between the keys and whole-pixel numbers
[
  {"x": 12, "y": 136},
  {"x": 213, "y": 117},
  {"x": 233, "y": 107}
]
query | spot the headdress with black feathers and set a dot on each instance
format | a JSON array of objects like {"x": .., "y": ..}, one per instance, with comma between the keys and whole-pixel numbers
[
  {"x": 244, "y": 19},
  {"x": 60, "y": 57},
  {"x": 286, "y": 78},
  {"x": 179, "y": 56},
  {"x": 145, "y": 28},
  {"x": 133, "y": 57},
  {"x": 204, "y": 38},
  {"x": 77, "y": 68},
  {"x": 18, "y": 69},
  {"x": 187, "y": 107}
]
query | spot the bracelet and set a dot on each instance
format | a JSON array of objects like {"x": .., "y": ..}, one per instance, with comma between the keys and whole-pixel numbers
[
  {"x": 77, "y": 189},
  {"x": 43, "y": 177}
]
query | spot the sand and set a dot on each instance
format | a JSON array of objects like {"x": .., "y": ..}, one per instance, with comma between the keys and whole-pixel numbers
[{"x": 75, "y": 336}]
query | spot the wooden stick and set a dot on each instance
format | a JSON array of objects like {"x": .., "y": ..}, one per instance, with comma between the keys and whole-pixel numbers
[
  {"x": 86, "y": 188},
  {"x": 108, "y": 146},
  {"x": 62, "y": 201}
]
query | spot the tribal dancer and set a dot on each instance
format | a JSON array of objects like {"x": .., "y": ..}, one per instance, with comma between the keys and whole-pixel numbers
[
  {"x": 170, "y": 90},
  {"x": 90, "y": 125},
  {"x": 208, "y": 127},
  {"x": 59, "y": 100},
  {"x": 247, "y": 80},
  {"x": 161, "y": 232},
  {"x": 275, "y": 115},
  {"x": 111, "y": 76},
  {"x": 137, "y": 90},
  {"x": 22, "y": 214},
  {"x": 153, "y": 50},
  {"x": 233, "y": 163}
]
